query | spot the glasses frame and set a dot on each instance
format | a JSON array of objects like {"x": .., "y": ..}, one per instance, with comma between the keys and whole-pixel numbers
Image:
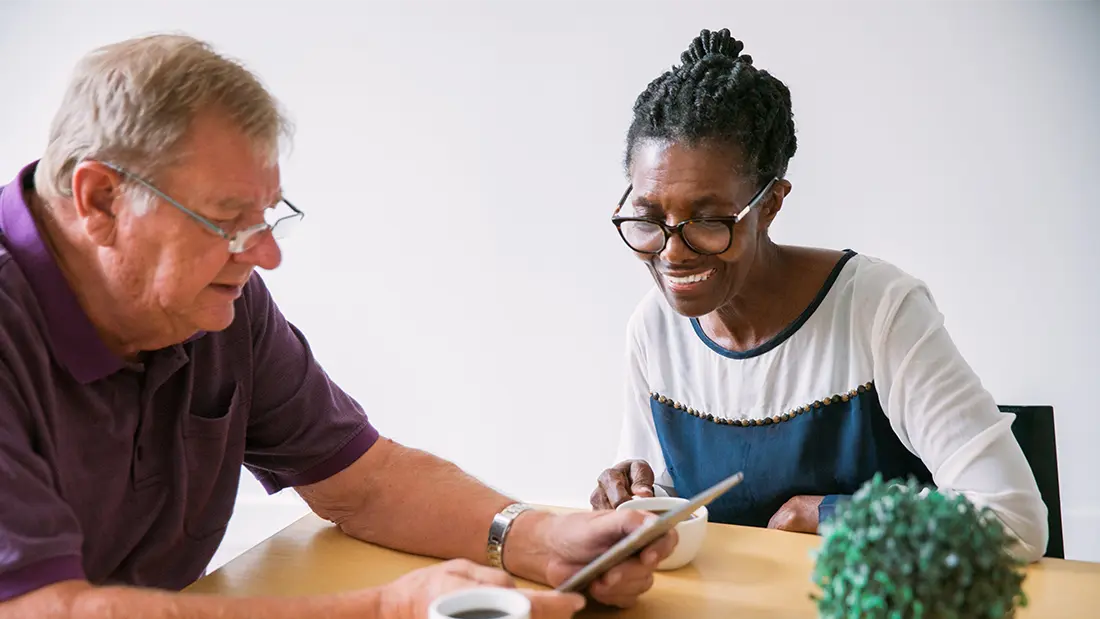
[
  {"x": 729, "y": 221},
  {"x": 237, "y": 240}
]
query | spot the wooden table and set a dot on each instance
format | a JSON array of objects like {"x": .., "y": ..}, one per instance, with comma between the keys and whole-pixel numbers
[{"x": 741, "y": 572}]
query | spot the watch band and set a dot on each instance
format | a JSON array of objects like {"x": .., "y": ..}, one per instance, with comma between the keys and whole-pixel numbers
[{"x": 498, "y": 532}]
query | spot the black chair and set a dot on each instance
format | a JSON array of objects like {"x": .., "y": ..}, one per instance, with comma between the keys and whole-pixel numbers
[{"x": 1034, "y": 431}]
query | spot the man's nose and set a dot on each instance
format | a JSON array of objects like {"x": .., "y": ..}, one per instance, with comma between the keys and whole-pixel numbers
[{"x": 265, "y": 254}]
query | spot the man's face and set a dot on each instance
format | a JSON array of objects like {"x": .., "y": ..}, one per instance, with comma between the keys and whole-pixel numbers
[{"x": 171, "y": 272}]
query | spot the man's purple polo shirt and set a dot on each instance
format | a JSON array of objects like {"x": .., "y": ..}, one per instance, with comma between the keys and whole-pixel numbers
[{"x": 125, "y": 473}]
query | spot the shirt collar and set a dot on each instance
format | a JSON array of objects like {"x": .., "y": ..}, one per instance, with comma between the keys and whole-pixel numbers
[{"x": 74, "y": 340}]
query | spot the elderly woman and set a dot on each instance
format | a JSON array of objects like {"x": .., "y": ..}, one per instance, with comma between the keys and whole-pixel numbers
[{"x": 808, "y": 369}]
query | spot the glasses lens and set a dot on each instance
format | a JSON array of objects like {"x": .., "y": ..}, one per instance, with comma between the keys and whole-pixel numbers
[
  {"x": 246, "y": 239},
  {"x": 707, "y": 237},
  {"x": 642, "y": 236},
  {"x": 285, "y": 227},
  {"x": 282, "y": 220}
]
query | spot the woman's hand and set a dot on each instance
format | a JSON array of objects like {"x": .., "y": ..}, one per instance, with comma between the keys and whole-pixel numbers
[
  {"x": 619, "y": 483},
  {"x": 799, "y": 514}
]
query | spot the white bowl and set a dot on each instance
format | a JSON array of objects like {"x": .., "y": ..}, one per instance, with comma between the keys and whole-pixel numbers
[{"x": 690, "y": 532}]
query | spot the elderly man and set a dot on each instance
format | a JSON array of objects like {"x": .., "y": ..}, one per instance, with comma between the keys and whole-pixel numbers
[{"x": 142, "y": 362}]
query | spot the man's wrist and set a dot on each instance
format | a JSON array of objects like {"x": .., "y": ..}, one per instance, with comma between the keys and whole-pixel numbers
[
  {"x": 498, "y": 531},
  {"x": 526, "y": 553}
]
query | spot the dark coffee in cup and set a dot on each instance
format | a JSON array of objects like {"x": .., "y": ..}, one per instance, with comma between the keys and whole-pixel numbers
[
  {"x": 478, "y": 614},
  {"x": 481, "y": 603}
]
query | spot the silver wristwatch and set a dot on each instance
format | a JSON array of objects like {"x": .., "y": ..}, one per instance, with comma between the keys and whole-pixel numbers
[{"x": 498, "y": 531}]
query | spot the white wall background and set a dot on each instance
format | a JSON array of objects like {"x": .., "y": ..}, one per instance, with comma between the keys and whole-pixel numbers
[{"x": 457, "y": 272}]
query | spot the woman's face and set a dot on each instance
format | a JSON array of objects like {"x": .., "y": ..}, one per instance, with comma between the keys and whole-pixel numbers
[{"x": 673, "y": 182}]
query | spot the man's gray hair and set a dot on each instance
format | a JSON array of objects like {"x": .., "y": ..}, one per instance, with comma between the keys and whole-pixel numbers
[{"x": 131, "y": 103}]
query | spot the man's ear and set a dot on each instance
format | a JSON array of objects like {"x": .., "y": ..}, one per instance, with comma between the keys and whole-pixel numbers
[
  {"x": 97, "y": 198},
  {"x": 771, "y": 205}
]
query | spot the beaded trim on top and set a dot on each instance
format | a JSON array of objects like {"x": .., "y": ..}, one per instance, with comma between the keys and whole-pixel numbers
[{"x": 767, "y": 421}]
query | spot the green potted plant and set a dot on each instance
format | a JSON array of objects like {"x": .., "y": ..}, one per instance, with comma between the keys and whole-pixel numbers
[{"x": 898, "y": 550}]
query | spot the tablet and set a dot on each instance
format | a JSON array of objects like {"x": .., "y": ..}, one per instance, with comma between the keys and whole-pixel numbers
[{"x": 645, "y": 535}]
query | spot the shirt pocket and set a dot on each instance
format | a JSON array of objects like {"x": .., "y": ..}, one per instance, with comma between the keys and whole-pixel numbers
[{"x": 213, "y": 446}]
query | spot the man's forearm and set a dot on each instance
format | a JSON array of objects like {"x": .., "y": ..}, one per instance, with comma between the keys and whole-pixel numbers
[
  {"x": 416, "y": 502},
  {"x": 79, "y": 600}
]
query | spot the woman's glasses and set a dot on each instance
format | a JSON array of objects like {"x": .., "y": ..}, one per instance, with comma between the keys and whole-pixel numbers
[{"x": 703, "y": 235}]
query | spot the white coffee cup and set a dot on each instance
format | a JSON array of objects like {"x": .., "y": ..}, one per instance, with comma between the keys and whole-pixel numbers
[
  {"x": 481, "y": 603},
  {"x": 690, "y": 532}
]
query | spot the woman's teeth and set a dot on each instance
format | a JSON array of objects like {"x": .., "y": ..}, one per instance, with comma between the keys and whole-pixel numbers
[{"x": 690, "y": 279}]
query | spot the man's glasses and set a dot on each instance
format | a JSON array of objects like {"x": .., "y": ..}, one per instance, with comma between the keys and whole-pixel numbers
[
  {"x": 277, "y": 219},
  {"x": 703, "y": 235}
]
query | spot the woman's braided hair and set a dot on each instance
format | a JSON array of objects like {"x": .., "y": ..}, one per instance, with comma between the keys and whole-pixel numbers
[{"x": 718, "y": 97}]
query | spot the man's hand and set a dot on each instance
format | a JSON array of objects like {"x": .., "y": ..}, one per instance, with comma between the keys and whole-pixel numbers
[
  {"x": 561, "y": 544},
  {"x": 409, "y": 596},
  {"x": 412, "y": 501},
  {"x": 799, "y": 514},
  {"x": 619, "y": 483}
]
